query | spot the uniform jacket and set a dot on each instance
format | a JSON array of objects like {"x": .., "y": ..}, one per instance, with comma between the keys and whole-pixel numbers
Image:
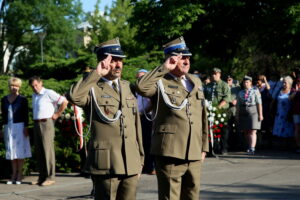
[
  {"x": 111, "y": 151},
  {"x": 181, "y": 134},
  {"x": 221, "y": 93}
]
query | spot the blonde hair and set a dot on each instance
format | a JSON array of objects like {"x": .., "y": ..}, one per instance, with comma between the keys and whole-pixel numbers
[
  {"x": 15, "y": 81},
  {"x": 288, "y": 79}
]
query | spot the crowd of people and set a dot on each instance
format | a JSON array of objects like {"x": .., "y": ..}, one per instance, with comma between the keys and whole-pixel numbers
[
  {"x": 256, "y": 104},
  {"x": 158, "y": 126}
]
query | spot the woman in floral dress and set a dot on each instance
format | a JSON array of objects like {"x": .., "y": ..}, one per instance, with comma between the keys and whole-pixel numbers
[
  {"x": 282, "y": 126},
  {"x": 14, "y": 109}
]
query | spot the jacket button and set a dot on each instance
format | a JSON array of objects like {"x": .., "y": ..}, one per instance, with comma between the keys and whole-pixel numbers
[
  {"x": 125, "y": 126},
  {"x": 192, "y": 122},
  {"x": 125, "y": 137}
]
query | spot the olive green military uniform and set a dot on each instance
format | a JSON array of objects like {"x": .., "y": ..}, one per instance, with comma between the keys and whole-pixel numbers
[
  {"x": 216, "y": 92},
  {"x": 115, "y": 153},
  {"x": 179, "y": 135},
  {"x": 221, "y": 93}
]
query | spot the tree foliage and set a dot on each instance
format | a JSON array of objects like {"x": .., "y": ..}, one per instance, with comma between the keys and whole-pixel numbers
[
  {"x": 23, "y": 20},
  {"x": 262, "y": 35},
  {"x": 114, "y": 23},
  {"x": 158, "y": 22}
]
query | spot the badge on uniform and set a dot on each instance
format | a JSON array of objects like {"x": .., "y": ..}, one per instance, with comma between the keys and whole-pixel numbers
[
  {"x": 105, "y": 96},
  {"x": 106, "y": 110},
  {"x": 173, "y": 86},
  {"x": 130, "y": 98}
]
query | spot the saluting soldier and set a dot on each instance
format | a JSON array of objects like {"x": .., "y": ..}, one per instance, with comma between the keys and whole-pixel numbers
[
  {"x": 218, "y": 93},
  {"x": 115, "y": 155},
  {"x": 180, "y": 135}
]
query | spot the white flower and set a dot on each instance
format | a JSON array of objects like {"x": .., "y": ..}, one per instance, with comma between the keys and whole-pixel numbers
[
  {"x": 216, "y": 122},
  {"x": 68, "y": 116},
  {"x": 210, "y": 108},
  {"x": 73, "y": 118},
  {"x": 219, "y": 115},
  {"x": 207, "y": 104},
  {"x": 214, "y": 108},
  {"x": 62, "y": 116},
  {"x": 233, "y": 125},
  {"x": 222, "y": 119},
  {"x": 213, "y": 114},
  {"x": 211, "y": 119},
  {"x": 224, "y": 114}
]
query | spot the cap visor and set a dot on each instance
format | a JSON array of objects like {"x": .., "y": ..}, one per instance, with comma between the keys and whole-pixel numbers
[{"x": 115, "y": 55}]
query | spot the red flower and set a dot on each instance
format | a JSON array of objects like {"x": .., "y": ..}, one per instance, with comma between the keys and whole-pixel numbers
[
  {"x": 221, "y": 125},
  {"x": 218, "y": 130},
  {"x": 214, "y": 126}
]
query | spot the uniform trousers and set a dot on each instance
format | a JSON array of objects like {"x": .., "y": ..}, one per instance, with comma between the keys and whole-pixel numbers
[
  {"x": 177, "y": 179},
  {"x": 115, "y": 187},
  {"x": 44, "y": 143}
]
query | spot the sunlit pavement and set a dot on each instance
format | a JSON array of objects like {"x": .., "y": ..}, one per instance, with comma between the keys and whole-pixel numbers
[{"x": 266, "y": 175}]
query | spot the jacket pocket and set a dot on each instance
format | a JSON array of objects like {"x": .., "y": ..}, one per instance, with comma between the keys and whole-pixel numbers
[
  {"x": 200, "y": 95},
  {"x": 102, "y": 156}
]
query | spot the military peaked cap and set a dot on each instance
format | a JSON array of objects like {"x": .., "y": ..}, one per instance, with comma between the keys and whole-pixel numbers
[
  {"x": 176, "y": 47},
  {"x": 112, "y": 47},
  {"x": 247, "y": 78}
]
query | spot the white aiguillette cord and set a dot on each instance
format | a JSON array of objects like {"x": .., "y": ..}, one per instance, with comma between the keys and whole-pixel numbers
[
  {"x": 167, "y": 100},
  {"x": 161, "y": 89},
  {"x": 102, "y": 116}
]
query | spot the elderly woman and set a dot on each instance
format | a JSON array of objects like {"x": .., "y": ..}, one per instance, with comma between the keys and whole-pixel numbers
[
  {"x": 249, "y": 112},
  {"x": 15, "y": 120},
  {"x": 282, "y": 126}
]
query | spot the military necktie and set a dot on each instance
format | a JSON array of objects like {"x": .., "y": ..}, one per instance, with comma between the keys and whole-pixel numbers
[{"x": 115, "y": 86}]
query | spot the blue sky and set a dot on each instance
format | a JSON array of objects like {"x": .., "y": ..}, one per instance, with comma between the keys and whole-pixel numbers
[{"x": 89, "y": 5}]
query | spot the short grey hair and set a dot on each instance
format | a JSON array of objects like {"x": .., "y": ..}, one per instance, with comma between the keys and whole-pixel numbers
[{"x": 288, "y": 79}]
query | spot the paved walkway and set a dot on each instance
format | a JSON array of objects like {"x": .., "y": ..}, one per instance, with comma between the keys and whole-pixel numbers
[{"x": 267, "y": 175}]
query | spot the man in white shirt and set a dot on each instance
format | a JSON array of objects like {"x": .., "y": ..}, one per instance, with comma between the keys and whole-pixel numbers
[{"x": 44, "y": 104}]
